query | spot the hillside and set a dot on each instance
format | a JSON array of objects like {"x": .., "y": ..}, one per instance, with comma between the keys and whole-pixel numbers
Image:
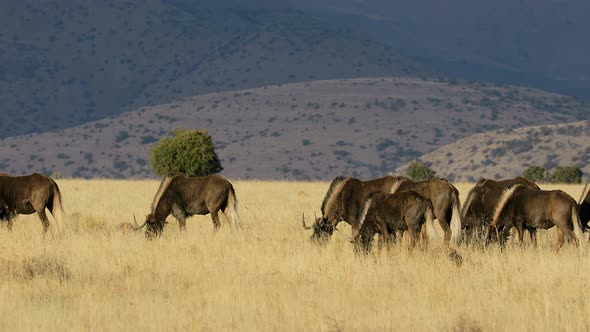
[
  {"x": 538, "y": 43},
  {"x": 315, "y": 130},
  {"x": 508, "y": 152},
  {"x": 63, "y": 63}
]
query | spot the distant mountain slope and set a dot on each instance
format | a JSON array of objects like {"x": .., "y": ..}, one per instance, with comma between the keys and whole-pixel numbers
[
  {"x": 63, "y": 63},
  {"x": 315, "y": 130},
  {"x": 539, "y": 43},
  {"x": 507, "y": 153}
]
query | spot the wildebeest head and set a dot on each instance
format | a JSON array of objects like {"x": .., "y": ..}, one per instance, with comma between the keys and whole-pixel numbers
[
  {"x": 322, "y": 229},
  {"x": 154, "y": 226}
]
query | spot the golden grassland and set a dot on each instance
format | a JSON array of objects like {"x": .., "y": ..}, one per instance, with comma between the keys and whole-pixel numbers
[{"x": 269, "y": 276}]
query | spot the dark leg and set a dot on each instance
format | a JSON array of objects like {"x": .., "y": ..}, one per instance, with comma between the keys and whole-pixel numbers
[
  {"x": 502, "y": 235},
  {"x": 413, "y": 236},
  {"x": 560, "y": 239},
  {"x": 533, "y": 234},
  {"x": 384, "y": 238},
  {"x": 215, "y": 218},
  {"x": 568, "y": 233},
  {"x": 44, "y": 220},
  {"x": 520, "y": 231},
  {"x": 399, "y": 234},
  {"x": 181, "y": 217},
  {"x": 424, "y": 237},
  {"x": 182, "y": 223},
  {"x": 444, "y": 225}
]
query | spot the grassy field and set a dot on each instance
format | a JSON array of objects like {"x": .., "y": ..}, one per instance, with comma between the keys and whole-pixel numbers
[{"x": 268, "y": 276}]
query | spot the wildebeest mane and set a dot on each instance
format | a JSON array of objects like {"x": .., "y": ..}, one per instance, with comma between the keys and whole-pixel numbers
[
  {"x": 469, "y": 199},
  {"x": 396, "y": 184},
  {"x": 365, "y": 207},
  {"x": 502, "y": 202},
  {"x": 163, "y": 186},
  {"x": 330, "y": 192}
]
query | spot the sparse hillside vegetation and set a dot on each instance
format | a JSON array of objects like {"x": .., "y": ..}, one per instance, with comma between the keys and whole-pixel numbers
[
  {"x": 562, "y": 149},
  {"x": 359, "y": 127},
  {"x": 63, "y": 63}
]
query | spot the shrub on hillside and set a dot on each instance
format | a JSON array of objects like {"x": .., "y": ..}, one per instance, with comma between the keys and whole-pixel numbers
[
  {"x": 566, "y": 174},
  {"x": 417, "y": 171},
  {"x": 190, "y": 152},
  {"x": 534, "y": 173}
]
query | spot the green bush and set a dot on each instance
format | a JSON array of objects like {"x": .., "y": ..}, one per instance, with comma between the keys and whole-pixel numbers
[
  {"x": 534, "y": 173},
  {"x": 417, "y": 171},
  {"x": 190, "y": 152},
  {"x": 566, "y": 174}
]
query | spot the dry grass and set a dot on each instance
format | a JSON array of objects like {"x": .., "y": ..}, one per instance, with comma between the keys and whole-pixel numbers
[{"x": 269, "y": 276}]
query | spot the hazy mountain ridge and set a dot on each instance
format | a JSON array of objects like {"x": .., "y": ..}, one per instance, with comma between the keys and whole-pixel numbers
[
  {"x": 314, "y": 130},
  {"x": 539, "y": 43},
  {"x": 507, "y": 153},
  {"x": 63, "y": 63}
]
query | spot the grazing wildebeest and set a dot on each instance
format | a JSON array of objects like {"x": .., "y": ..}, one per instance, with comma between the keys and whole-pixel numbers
[
  {"x": 445, "y": 200},
  {"x": 343, "y": 201},
  {"x": 480, "y": 203},
  {"x": 184, "y": 196},
  {"x": 387, "y": 214},
  {"x": 28, "y": 194},
  {"x": 584, "y": 205},
  {"x": 528, "y": 208}
]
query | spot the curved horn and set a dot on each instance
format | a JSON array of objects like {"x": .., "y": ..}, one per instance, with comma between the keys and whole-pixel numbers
[
  {"x": 137, "y": 227},
  {"x": 303, "y": 222}
]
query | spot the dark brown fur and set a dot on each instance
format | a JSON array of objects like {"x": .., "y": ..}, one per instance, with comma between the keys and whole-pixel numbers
[
  {"x": 480, "y": 203},
  {"x": 343, "y": 201},
  {"x": 29, "y": 194},
  {"x": 388, "y": 214},
  {"x": 184, "y": 196},
  {"x": 445, "y": 200},
  {"x": 584, "y": 205},
  {"x": 531, "y": 209}
]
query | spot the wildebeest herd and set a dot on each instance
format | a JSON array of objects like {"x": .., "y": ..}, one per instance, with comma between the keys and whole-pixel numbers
[{"x": 388, "y": 206}]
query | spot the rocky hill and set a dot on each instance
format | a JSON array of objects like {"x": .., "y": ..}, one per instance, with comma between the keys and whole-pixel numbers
[
  {"x": 314, "y": 130},
  {"x": 508, "y": 152}
]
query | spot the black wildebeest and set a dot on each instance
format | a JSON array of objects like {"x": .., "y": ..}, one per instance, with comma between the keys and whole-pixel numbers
[
  {"x": 184, "y": 196},
  {"x": 28, "y": 194},
  {"x": 445, "y": 200},
  {"x": 584, "y": 205},
  {"x": 480, "y": 203},
  {"x": 528, "y": 208},
  {"x": 343, "y": 201},
  {"x": 394, "y": 213}
]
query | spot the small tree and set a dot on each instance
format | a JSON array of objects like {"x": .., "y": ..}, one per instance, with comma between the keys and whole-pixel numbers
[
  {"x": 534, "y": 173},
  {"x": 417, "y": 171},
  {"x": 190, "y": 152},
  {"x": 566, "y": 174}
]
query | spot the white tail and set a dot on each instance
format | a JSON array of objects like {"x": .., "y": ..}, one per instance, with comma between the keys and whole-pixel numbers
[
  {"x": 430, "y": 230},
  {"x": 231, "y": 210},
  {"x": 578, "y": 231},
  {"x": 456, "y": 224},
  {"x": 57, "y": 210}
]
